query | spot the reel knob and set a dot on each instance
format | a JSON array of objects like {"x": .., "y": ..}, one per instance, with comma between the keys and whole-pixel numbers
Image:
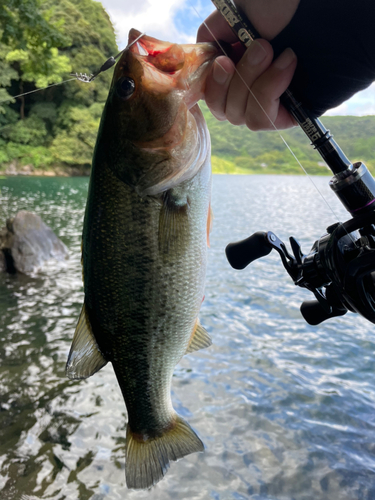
[
  {"x": 242, "y": 253},
  {"x": 314, "y": 314}
]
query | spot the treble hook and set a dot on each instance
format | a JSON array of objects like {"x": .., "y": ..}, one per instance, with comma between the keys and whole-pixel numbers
[{"x": 82, "y": 77}]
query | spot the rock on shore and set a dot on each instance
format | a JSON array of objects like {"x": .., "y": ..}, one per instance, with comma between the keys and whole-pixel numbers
[{"x": 26, "y": 243}]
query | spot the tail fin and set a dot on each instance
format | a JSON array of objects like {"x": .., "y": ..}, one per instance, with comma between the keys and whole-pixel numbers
[{"x": 148, "y": 461}]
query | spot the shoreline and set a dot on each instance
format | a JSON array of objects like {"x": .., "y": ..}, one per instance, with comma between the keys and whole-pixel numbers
[
  {"x": 219, "y": 165},
  {"x": 30, "y": 171},
  {"x": 86, "y": 173}
]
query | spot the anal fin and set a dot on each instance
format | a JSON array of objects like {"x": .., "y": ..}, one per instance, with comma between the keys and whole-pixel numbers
[
  {"x": 84, "y": 358},
  {"x": 199, "y": 339}
]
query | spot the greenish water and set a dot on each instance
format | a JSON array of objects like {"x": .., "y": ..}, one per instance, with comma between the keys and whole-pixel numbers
[{"x": 286, "y": 410}]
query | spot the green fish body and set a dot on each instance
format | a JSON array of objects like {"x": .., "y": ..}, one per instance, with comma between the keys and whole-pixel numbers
[{"x": 144, "y": 245}]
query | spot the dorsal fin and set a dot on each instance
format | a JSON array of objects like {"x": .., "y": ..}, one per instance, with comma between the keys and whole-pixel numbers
[
  {"x": 84, "y": 358},
  {"x": 199, "y": 339}
]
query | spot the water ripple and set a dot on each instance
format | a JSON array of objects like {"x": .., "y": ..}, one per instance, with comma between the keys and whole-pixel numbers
[{"x": 286, "y": 410}]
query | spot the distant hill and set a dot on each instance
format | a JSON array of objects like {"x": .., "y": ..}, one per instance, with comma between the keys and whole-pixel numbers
[{"x": 238, "y": 150}]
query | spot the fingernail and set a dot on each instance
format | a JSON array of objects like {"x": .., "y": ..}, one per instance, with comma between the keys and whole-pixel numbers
[
  {"x": 219, "y": 74},
  {"x": 255, "y": 53},
  {"x": 285, "y": 60}
]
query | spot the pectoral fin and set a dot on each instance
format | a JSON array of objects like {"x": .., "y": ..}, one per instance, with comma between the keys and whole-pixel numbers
[
  {"x": 84, "y": 358},
  {"x": 174, "y": 215},
  {"x": 199, "y": 339}
]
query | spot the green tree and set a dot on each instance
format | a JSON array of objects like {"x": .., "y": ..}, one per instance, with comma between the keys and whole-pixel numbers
[
  {"x": 24, "y": 25},
  {"x": 32, "y": 43},
  {"x": 58, "y": 125}
]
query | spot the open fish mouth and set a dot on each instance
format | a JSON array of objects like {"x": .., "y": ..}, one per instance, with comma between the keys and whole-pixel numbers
[
  {"x": 170, "y": 57},
  {"x": 164, "y": 56},
  {"x": 184, "y": 65}
]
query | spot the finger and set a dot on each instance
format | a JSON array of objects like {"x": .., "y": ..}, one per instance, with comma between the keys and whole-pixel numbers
[
  {"x": 267, "y": 90},
  {"x": 217, "y": 84},
  {"x": 215, "y": 28},
  {"x": 255, "y": 61}
]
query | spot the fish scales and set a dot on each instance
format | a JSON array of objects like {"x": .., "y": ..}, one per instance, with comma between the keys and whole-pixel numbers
[
  {"x": 144, "y": 245},
  {"x": 146, "y": 304}
]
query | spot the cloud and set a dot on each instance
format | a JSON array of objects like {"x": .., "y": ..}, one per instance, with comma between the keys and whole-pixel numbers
[
  {"x": 165, "y": 19},
  {"x": 361, "y": 104},
  {"x": 339, "y": 110}
]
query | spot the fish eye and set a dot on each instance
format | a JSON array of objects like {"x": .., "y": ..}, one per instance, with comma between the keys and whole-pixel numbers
[{"x": 126, "y": 87}]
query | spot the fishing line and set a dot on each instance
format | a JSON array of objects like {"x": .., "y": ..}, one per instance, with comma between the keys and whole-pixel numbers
[
  {"x": 37, "y": 90},
  {"x": 268, "y": 117},
  {"x": 111, "y": 61},
  {"x": 82, "y": 77}
]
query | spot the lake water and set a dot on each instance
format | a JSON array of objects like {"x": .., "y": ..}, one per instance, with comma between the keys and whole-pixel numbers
[{"x": 286, "y": 410}]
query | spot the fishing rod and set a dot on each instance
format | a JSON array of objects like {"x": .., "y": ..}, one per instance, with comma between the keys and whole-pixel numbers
[{"x": 340, "y": 267}]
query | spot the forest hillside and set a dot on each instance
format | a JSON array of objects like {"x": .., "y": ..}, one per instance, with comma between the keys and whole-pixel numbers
[{"x": 54, "y": 130}]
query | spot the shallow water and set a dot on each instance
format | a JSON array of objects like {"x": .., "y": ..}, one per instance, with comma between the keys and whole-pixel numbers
[{"x": 286, "y": 410}]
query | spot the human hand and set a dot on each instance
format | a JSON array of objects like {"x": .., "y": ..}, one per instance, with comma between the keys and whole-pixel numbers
[{"x": 227, "y": 91}]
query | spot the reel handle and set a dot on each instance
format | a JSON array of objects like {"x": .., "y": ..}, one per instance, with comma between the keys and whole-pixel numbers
[
  {"x": 314, "y": 314},
  {"x": 242, "y": 253}
]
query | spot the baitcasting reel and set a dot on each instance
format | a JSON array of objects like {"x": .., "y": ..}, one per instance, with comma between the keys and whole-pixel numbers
[{"x": 340, "y": 268}]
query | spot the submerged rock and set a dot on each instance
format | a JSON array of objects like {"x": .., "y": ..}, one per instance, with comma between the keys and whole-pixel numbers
[{"x": 26, "y": 243}]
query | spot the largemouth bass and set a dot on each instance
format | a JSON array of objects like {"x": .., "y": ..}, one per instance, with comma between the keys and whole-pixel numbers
[{"x": 144, "y": 245}]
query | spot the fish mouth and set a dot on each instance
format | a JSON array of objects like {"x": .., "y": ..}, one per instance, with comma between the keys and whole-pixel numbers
[
  {"x": 170, "y": 57},
  {"x": 182, "y": 66},
  {"x": 164, "y": 56}
]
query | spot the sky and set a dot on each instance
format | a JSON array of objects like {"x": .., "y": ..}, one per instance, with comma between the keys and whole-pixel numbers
[{"x": 178, "y": 21}]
